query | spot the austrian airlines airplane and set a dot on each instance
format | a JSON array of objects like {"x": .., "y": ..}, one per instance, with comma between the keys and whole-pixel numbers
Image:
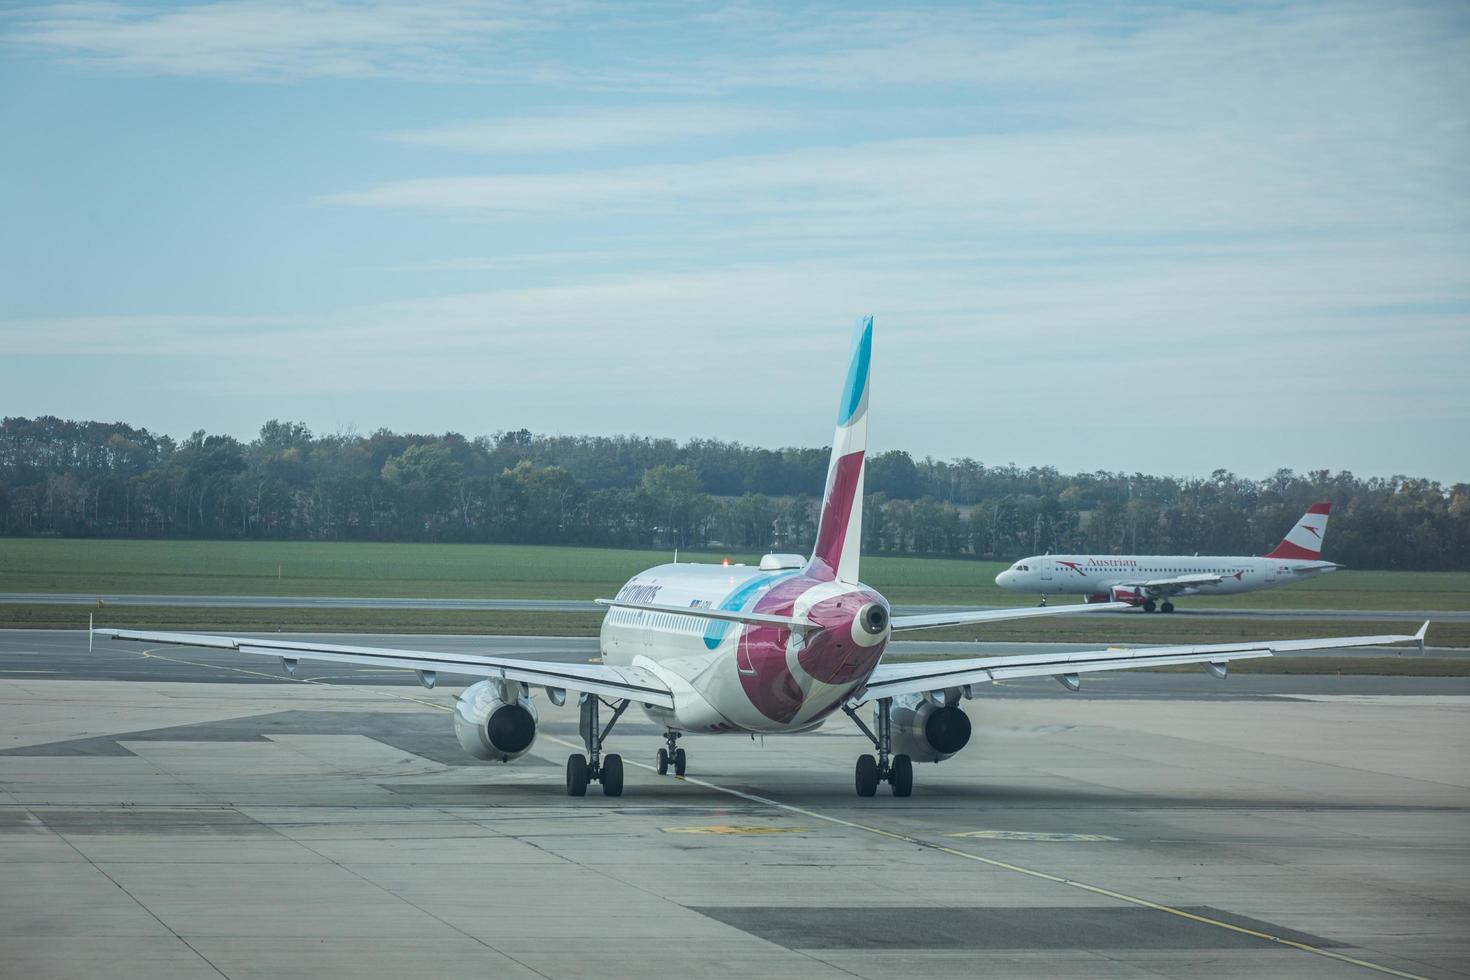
[
  {"x": 1144, "y": 580},
  {"x": 782, "y": 647}
]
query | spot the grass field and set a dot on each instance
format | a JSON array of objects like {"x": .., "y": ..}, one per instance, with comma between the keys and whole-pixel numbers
[{"x": 525, "y": 572}]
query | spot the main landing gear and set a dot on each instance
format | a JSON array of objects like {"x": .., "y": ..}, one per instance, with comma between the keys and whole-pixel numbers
[
  {"x": 897, "y": 773},
  {"x": 1149, "y": 606},
  {"x": 607, "y": 770},
  {"x": 672, "y": 755}
]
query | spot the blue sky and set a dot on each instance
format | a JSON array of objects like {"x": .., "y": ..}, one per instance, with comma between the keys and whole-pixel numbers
[{"x": 1151, "y": 237}]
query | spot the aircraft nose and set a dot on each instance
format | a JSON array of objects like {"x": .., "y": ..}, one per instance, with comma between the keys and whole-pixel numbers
[{"x": 1004, "y": 578}]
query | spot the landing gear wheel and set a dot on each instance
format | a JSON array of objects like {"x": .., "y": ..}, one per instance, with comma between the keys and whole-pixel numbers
[
  {"x": 1149, "y": 605},
  {"x": 663, "y": 762},
  {"x": 611, "y": 776},
  {"x": 681, "y": 762},
  {"x": 607, "y": 770},
  {"x": 577, "y": 775},
  {"x": 901, "y": 776},
  {"x": 1167, "y": 607},
  {"x": 866, "y": 775}
]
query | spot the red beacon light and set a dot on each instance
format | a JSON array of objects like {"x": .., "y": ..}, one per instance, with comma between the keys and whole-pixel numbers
[{"x": 725, "y": 562}]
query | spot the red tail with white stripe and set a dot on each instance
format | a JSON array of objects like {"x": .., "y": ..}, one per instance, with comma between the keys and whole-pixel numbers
[{"x": 1305, "y": 540}]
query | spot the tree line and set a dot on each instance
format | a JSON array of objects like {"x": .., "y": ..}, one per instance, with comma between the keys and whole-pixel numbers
[{"x": 95, "y": 479}]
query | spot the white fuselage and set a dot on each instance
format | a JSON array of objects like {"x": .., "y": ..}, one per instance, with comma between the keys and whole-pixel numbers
[
  {"x": 733, "y": 677},
  {"x": 1098, "y": 574}
]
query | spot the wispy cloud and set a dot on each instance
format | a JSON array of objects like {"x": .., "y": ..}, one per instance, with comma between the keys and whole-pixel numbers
[
  {"x": 1154, "y": 182},
  {"x": 1249, "y": 119},
  {"x": 1036, "y": 201},
  {"x": 1168, "y": 59},
  {"x": 615, "y": 126},
  {"x": 964, "y": 347},
  {"x": 268, "y": 41}
]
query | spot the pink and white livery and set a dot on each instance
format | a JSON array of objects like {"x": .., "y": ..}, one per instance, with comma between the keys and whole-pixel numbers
[
  {"x": 778, "y": 648},
  {"x": 1152, "y": 581}
]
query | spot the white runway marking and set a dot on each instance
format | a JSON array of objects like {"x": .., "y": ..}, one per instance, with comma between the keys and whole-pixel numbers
[
  {"x": 1030, "y": 835},
  {"x": 1391, "y": 700}
]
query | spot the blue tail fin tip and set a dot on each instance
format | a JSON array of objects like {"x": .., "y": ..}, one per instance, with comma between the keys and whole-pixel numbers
[{"x": 857, "y": 371}]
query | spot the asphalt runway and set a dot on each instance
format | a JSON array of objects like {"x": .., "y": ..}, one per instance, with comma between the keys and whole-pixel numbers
[
  {"x": 187, "y": 813},
  {"x": 577, "y": 605}
]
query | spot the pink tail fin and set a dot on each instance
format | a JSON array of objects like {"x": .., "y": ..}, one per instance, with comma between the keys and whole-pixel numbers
[
  {"x": 840, "y": 530},
  {"x": 1304, "y": 542}
]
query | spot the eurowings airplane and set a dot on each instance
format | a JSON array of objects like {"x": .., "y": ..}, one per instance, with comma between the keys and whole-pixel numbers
[
  {"x": 1146, "y": 580},
  {"x": 781, "y": 647}
]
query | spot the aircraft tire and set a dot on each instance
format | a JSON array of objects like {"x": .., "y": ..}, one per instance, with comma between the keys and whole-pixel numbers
[
  {"x": 577, "y": 775},
  {"x": 612, "y": 775},
  {"x": 681, "y": 762},
  {"x": 901, "y": 778},
  {"x": 1150, "y": 606},
  {"x": 1167, "y": 607},
  {"x": 866, "y": 775},
  {"x": 663, "y": 762}
]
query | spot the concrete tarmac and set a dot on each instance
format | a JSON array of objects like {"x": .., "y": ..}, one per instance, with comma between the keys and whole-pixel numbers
[
  {"x": 185, "y": 813},
  {"x": 579, "y": 605}
]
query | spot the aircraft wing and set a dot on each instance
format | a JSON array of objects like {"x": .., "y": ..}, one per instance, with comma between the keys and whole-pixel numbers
[
  {"x": 893, "y": 679},
  {"x": 966, "y": 617},
  {"x": 1178, "y": 583},
  {"x": 632, "y": 683}
]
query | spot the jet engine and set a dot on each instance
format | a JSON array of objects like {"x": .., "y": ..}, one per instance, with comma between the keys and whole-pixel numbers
[
  {"x": 928, "y": 729},
  {"x": 495, "y": 721},
  {"x": 870, "y": 625}
]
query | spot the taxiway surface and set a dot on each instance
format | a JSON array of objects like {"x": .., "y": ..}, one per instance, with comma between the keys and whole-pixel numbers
[{"x": 187, "y": 813}]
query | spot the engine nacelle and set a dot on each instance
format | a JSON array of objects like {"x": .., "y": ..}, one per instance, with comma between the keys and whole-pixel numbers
[
  {"x": 925, "y": 731},
  {"x": 495, "y": 721},
  {"x": 870, "y": 625}
]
